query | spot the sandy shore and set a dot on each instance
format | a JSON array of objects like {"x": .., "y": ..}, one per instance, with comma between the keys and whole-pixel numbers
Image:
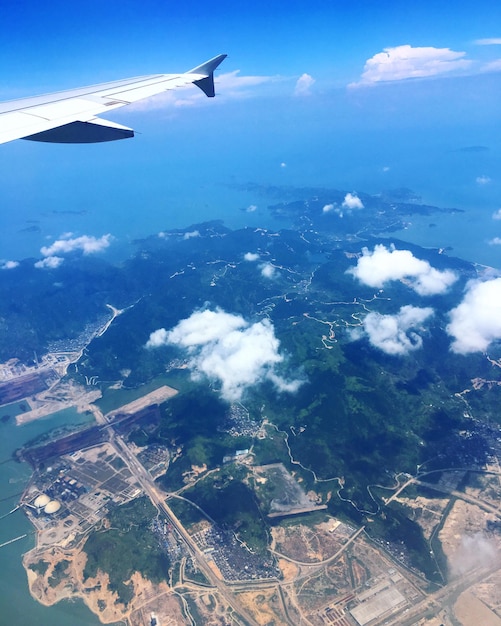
[
  {"x": 62, "y": 396},
  {"x": 48, "y": 587}
]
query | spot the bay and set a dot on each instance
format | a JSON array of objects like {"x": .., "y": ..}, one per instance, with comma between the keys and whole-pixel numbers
[{"x": 17, "y": 607}]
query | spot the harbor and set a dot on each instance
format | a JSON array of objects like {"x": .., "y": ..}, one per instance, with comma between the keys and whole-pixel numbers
[{"x": 17, "y": 536}]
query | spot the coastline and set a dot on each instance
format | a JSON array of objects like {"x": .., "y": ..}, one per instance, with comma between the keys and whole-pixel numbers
[
  {"x": 70, "y": 587},
  {"x": 62, "y": 394},
  {"x": 94, "y": 592},
  {"x": 55, "y": 567}
]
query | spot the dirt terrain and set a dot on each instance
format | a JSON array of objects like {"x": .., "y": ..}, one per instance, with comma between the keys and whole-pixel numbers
[
  {"x": 50, "y": 587},
  {"x": 154, "y": 397},
  {"x": 427, "y": 512},
  {"x": 309, "y": 545},
  {"x": 61, "y": 396},
  {"x": 471, "y": 611}
]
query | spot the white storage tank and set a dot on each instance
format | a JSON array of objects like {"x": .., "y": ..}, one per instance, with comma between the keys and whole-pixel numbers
[
  {"x": 41, "y": 500},
  {"x": 52, "y": 507}
]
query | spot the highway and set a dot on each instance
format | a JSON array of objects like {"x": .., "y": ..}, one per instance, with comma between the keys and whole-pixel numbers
[
  {"x": 438, "y": 600},
  {"x": 461, "y": 495},
  {"x": 229, "y": 592},
  {"x": 314, "y": 565},
  {"x": 157, "y": 497}
]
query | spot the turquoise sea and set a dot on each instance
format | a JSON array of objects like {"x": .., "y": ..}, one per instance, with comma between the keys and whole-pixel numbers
[
  {"x": 139, "y": 188},
  {"x": 17, "y": 607},
  {"x": 16, "y": 604}
]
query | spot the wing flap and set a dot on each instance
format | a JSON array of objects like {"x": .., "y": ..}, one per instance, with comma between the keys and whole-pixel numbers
[
  {"x": 65, "y": 109},
  {"x": 91, "y": 131},
  {"x": 16, "y": 125},
  {"x": 142, "y": 91}
]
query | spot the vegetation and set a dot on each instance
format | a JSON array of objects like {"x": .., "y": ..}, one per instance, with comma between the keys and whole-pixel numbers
[
  {"x": 395, "y": 527},
  {"x": 192, "y": 573},
  {"x": 40, "y": 567},
  {"x": 193, "y": 421},
  {"x": 58, "y": 573},
  {"x": 126, "y": 547},
  {"x": 233, "y": 505}
]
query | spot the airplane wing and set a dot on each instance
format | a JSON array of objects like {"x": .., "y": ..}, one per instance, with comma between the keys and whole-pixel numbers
[{"x": 70, "y": 116}]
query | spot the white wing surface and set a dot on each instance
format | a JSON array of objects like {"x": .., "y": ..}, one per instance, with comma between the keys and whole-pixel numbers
[{"x": 70, "y": 116}]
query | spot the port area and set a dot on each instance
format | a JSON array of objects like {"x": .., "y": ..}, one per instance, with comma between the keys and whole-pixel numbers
[
  {"x": 41, "y": 383},
  {"x": 79, "y": 477},
  {"x": 42, "y": 388},
  {"x": 72, "y": 495}
]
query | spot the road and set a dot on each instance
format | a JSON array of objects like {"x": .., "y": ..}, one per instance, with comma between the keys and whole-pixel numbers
[
  {"x": 437, "y": 600},
  {"x": 316, "y": 565},
  {"x": 461, "y": 496},
  {"x": 399, "y": 490},
  {"x": 157, "y": 497}
]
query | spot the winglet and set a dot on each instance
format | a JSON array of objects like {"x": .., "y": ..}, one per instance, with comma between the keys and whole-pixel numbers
[{"x": 206, "y": 83}]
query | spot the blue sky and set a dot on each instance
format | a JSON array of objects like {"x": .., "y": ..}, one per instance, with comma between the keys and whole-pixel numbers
[
  {"x": 45, "y": 44},
  {"x": 345, "y": 94}
]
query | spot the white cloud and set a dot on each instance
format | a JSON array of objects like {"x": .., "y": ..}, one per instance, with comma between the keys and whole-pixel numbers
[
  {"x": 492, "y": 66},
  {"x": 233, "y": 85},
  {"x": 404, "y": 62},
  {"x": 376, "y": 268},
  {"x": 49, "y": 263},
  {"x": 397, "y": 334},
  {"x": 267, "y": 270},
  {"x": 476, "y": 321},
  {"x": 332, "y": 208},
  {"x": 229, "y": 85},
  {"x": 495, "y": 242},
  {"x": 226, "y": 348},
  {"x": 251, "y": 256},
  {"x": 352, "y": 201},
  {"x": 474, "y": 552},
  {"x": 8, "y": 265},
  {"x": 191, "y": 234},
  {"x": 303, "y": 85},
  {"x": 497, "y": 215},
  {"x": 489, "y": 41},
  {"x": 88, "y": 245},
  {"x": 483, "y": 180},
  {"x": 158, "y": 338}
]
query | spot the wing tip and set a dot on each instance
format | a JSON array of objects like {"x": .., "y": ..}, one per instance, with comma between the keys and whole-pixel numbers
[
  {"x": 209, "y": 66},
  {"x": 206, "y": 84}
]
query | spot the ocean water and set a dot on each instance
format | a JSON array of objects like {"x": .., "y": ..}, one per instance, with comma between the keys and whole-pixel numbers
[
  {"x": 17, "y": 607},
  {"x": 465, "y": 178},
  {"x": 467, "y": 235},
  {"x": 170, "y": 177}
]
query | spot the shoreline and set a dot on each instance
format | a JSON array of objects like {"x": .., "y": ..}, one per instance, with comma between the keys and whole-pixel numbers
[
  {"x": 70, "y": 587},
  {"x": 72, "y": 396},
  {"x": 59, "y": 394},
  {"x": 93, "y": 592}
]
